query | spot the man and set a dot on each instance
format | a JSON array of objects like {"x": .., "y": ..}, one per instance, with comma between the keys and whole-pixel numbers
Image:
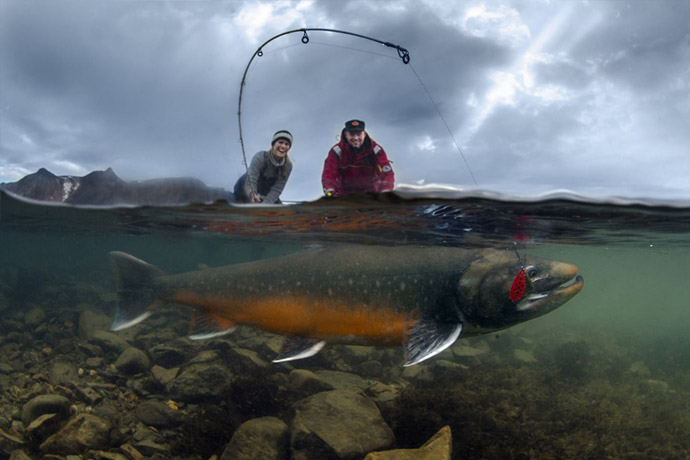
[
  {"x": 268, "y": 172},
  {"x": 356, "y": 164}
]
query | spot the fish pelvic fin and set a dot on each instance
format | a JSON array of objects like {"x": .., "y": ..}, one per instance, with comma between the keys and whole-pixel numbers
[
  {"x": 299, "y": 348},
  {"x": 207, "y": 326},
  {"x": 428, "y": 338},
  {"x": 136, "y": 293}
]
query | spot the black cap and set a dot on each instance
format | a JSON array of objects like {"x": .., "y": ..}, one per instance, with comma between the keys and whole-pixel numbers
[{"x": 354, "y": 125}]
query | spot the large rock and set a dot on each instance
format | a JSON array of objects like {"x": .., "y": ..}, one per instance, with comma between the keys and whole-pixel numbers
[
  {"x": 45, "y": 404},
  {"x": 264, "y": 438},
  {"x": 343, "y": 380},
  {"x": 158, "y": 414},
  {"x": 201, "y": 381},
  {"x": 133, "y": 361},
  {"x": 109, "y": 341},
  {"x": 337, "y": 425},
  {"x": 62, "y": 373},
  {"x": 90, "y": 322},
  {"x": 85, "y": 431},
  {"x": 438, "y": 447},
  {"x": 304, "y": 383}
]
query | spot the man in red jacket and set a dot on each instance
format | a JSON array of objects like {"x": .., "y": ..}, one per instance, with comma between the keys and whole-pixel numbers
[{"x": 356, "y": 164}]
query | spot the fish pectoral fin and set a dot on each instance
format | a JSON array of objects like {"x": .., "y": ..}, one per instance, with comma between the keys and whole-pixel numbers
[
  {"x": 207, "y": 325},
  {"x": 299, "y": 348},
  {"x": 428, "y": 338}
]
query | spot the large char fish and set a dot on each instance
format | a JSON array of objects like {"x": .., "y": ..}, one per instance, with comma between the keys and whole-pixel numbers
[{"x": 419, "y": 297}]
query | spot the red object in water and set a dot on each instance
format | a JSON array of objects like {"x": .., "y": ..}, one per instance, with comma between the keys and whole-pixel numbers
[{"x": 517, "y": 290}]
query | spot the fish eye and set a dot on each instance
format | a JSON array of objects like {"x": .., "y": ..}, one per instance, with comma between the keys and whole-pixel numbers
[{"x": 531, "y": 271}]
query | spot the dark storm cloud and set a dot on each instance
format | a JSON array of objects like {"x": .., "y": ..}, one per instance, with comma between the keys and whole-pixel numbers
[
  {"x": 537, "y": 95},
  {"x": 130, "y": 78}
]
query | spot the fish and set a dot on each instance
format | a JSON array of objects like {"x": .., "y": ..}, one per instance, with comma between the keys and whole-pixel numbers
[{"x": 420, "y": 298}]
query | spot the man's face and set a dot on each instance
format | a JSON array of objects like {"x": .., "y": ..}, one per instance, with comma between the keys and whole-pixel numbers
[{"x": 355, "y": 138}]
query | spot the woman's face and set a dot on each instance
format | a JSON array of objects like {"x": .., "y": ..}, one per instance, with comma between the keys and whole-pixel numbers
[{"x": 280, "y": 148}]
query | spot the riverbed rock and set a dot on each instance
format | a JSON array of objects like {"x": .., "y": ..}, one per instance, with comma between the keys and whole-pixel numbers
[
  {"x": 164, "y": 376},
  {"x": 263, "y": 438},
  {"x": 133, "y": 361},
  {"x": 242, "y": 360},
  {"x": 200, "y": 382},
  {"x": 524, "y": 356},
  {"x": 438, "y": 447},
  {"x": 169, "y": 354},
  {"x": 34, "y": 316},
  {"x": 151, "y": 448},
  {"x": 90, "y": 322},
  {"x": 62, "y": 373},
  {"x": 385, "y": 396},
  {"x": 109, "y": 341},
  {"x": 337, "y": 425},
  {"x": 469, "y": 354},
  {"x": 342, "y": 380},
  {"x": 158, "y": 414},
  {"x": 43, "y": 426},
  {"x": 304, "y": 382},
  {"x": 19, "y": 455},
  {"x": 45, "y": 404},
  {"x": 82, "y": 432}
]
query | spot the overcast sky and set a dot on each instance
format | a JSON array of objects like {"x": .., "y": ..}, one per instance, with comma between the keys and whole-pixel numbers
[{"x": 588, "y": 96}]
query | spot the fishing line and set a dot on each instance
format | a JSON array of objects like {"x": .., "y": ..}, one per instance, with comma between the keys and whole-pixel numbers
[
  {"x": 433, "y": 102},
  {"x": 353, "y": 49}
]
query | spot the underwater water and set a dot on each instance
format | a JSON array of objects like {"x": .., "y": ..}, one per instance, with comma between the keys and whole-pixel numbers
[{"x": 607, "y": 375}]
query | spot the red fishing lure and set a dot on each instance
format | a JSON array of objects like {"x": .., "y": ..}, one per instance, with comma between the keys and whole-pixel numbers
[{"x": 517, "y": 289}]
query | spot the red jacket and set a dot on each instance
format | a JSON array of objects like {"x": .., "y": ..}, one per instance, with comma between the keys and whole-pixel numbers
[{"x": 366, "y": 170}]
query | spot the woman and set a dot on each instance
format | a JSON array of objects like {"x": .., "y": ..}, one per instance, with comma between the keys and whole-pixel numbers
[{"x": 268, "y": 172}]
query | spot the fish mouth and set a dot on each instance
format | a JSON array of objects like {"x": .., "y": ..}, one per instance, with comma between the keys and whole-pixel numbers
[{"x": 552, "y": 293}]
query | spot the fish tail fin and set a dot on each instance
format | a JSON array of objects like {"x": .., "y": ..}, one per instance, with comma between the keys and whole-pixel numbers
[{"x": 136, "y": 293}]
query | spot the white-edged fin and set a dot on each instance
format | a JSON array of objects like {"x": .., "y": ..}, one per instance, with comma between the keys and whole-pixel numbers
[
  {"x": 210, "y": 335},
  {"x": 205, "y": 326},
  {"x": 299, "y": 348},
  {"x": 428, "y": 338},
  {"x": 122, "y": 322}
]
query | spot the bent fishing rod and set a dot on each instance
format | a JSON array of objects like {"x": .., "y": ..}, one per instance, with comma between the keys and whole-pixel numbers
[{"x": 402, "y": 53}]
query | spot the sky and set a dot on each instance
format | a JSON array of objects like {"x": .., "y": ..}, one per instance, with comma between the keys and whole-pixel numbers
[{"x": 522, "y": 97}]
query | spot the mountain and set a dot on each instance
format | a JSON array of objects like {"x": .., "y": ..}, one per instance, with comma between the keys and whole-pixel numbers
[{"x": 106, "y": 188}]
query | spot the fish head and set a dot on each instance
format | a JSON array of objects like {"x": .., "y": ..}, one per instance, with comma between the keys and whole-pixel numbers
[{"x": 500, "y": 289}]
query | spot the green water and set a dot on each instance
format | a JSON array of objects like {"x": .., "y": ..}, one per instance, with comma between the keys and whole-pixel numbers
[{"x": 608, "y": 374}]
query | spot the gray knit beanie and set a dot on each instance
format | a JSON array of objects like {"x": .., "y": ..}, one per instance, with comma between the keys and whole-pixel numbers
[{"x": 282, "y": 134}]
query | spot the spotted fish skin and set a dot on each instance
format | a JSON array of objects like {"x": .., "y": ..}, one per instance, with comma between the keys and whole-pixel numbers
[{"x": 418, "y": 297}]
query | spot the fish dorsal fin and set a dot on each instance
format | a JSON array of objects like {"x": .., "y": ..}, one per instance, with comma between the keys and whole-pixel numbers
[
  {"x": 207, "y": 325},
  {"x": 428, "y": 338},
  {"x": 299, "y": 348}
]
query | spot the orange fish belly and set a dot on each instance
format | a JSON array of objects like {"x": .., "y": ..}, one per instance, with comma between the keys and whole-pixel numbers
[{"x": 330, "y": 319}]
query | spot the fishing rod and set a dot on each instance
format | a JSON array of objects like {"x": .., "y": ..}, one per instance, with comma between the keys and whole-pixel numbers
[{"x": 402, "y": 53}]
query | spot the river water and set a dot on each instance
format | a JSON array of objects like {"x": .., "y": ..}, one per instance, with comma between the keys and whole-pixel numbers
[{"x": 607, "y": 375}]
